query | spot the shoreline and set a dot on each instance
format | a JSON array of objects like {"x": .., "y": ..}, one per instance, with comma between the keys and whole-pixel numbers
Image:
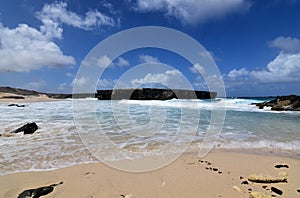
[{"x": 185, "y": 177}]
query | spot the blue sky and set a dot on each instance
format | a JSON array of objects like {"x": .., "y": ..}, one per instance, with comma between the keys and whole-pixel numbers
[{"x": 255, "y": 44}]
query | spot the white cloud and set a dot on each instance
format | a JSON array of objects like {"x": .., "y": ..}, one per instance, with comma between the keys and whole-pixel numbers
[
  {"x": 286, "y": 44},
  {"x": 57, "y": 13},
  {"x": 106, "y": 83},
  {"x": 103, "y": 62},
  {"x": 25, "y": 48},
  {"x": 121, "y": 62},
  {"x": 147, "y": 58},
  {"x": 238, "y": 73},
  {"x": 170, "y": 78},
  {"x": 193, "y": 11},
  {"x": 70, "y": 75},
  {"x": 284, "y": 68},
  {"x": 197, "y": 69}
]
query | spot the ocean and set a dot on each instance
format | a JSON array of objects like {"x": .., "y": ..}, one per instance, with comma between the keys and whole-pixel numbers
[{"x": 88, "y": 130}]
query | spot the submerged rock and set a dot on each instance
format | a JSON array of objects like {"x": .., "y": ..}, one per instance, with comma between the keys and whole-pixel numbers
[
  {"x": 16, "y": 105},
  {"x": 28, "y": 128}
]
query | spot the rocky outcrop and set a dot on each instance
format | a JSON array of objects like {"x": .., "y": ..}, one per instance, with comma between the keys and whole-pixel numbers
[
  {"x": 282, "y": 103},
  {"x": 153, "y": 94},
  {"x": 28, "y": 128}
]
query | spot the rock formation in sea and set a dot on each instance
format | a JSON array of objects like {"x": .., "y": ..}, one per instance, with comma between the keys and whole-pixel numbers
[
  {"x": 153, "y": 94},
  {"x": 282, "y": 103}
]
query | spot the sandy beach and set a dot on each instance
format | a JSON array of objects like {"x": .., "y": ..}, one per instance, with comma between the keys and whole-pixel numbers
[
  {"x": 39, "y": 98},
  {"x": 219, "y": 174}
]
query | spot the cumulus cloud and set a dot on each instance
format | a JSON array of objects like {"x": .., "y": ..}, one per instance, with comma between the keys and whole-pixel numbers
[
  {"x": 147, "y": 59},
  {"x": 57, "y": 13},
  {"x": 25, "y": 48},
  {"x": 106, "y": 83},
  {"x": 193, "y": 11},
  {"x": 284, "y": 68},
  {"x": 197, "y": 69},
  {"x": 286, "y": 44},
  {"x": 238, "y": 73},
  {"x": 121, "y": 62},
  {"x": 103, "y": 62},
  {"x": 170, "y": 78}
]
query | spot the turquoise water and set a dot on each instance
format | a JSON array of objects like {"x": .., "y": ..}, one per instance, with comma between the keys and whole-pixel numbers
[{"x": 125, "y": 129}]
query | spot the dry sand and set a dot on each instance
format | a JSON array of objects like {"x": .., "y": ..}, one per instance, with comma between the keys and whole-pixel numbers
[
  {"x": 188, "y": 176},
  {"x": 40, "y": 98}
]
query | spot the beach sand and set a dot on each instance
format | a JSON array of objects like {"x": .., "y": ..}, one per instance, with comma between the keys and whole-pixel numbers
[
  {"x": 188, "y": 176},
  {"x": 39, "y": 98}
]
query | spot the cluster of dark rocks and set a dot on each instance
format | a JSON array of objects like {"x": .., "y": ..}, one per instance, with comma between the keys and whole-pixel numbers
[{"x": 282, "y": 103}]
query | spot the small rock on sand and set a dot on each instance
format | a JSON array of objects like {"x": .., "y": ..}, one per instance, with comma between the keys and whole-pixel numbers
[
  {"x": 281, "y": 166},
  {"x": 276, "y": 190}
]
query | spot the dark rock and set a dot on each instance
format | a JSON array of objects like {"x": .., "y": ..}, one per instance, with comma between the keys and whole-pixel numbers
[
  {"x": 16, "y": 105},
  {"x": 215, "y": 169},
  {"x": 245, "y": 182},
  {"x": 298, "y": 190},
  {"x": 281, "y": 166},
  {"x": 153, "y": 94},
  {"x": 38, "y": 192},
  {"x": 276, "y": 190},
  {"x": 28, "y": 128}
]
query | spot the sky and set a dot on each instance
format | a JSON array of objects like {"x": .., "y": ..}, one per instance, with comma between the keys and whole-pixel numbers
[{"x": 254, "y": 43}]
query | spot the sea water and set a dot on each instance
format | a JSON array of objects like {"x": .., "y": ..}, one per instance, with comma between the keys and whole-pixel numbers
[{"x": 128, "y": 129}]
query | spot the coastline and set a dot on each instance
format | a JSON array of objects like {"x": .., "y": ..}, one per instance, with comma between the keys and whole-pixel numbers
[
  {"x": 188, "y": 176},
  {"x": 27, "y": 99}
]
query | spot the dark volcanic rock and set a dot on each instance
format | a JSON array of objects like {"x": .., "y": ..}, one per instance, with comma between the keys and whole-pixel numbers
[
  {"x": 153, "y": 94},
  {"x": 16, "y": 105},
  {"x": 38, "y": 192},
  {"x": 282, "y": 103},
  {"x": 28, "y": 128}
]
